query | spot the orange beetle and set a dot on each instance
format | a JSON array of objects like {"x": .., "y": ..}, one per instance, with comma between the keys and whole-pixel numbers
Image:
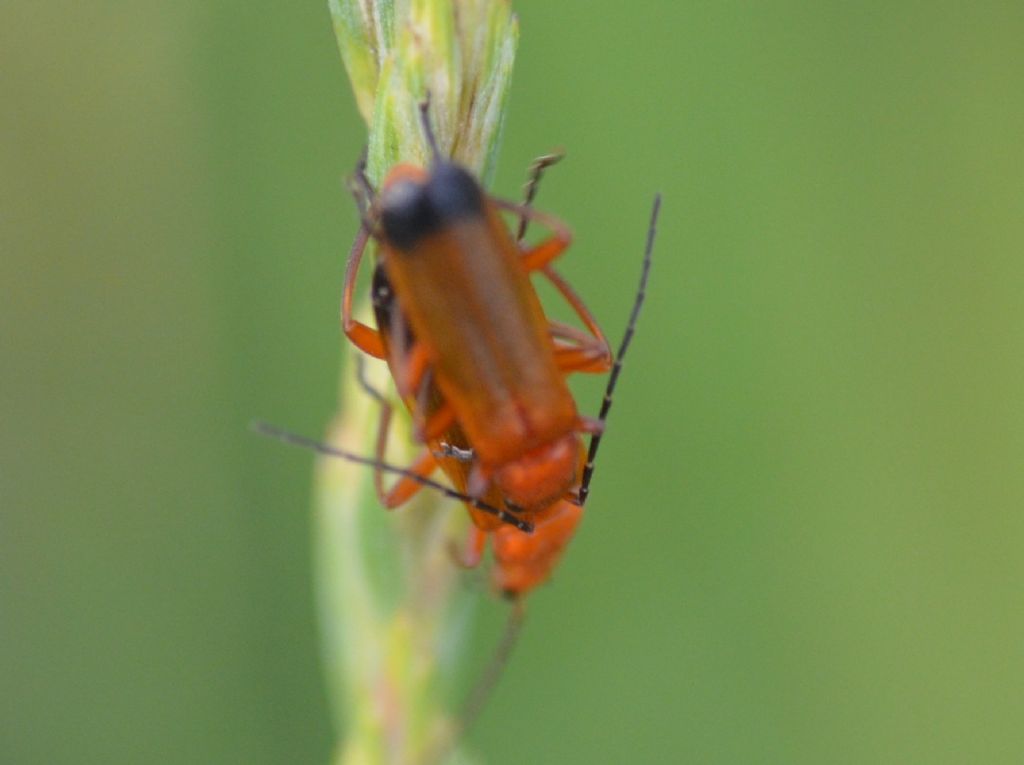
[
  {"x": 489, "y": 390},
  {"x": 523, "y": 559},
  {"x": 481, "y": 337}
]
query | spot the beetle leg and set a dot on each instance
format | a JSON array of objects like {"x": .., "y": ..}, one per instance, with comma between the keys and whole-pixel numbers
[
  {"x": 415, "y": 371},
  {"x": 541, "y": 254},
  {"x": 424, "y": 464},
  {"x": 437, "y": 424},
  {"x": 365, "y": 338},
  {"x": 586, "y": 351},
  {"x": 597, "y": 357},
  {"x": 473, "y": 550},
  {"x": 415, "y": 374},
  {"x": 408, "y": 358},
  {"x": 544, "y": 253},
  {"x": 575, "y": 350},
  {"x": 405, "y": 488}
]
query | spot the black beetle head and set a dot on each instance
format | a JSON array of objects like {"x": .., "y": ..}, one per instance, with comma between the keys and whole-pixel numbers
[{"x": 411, "y": 210}]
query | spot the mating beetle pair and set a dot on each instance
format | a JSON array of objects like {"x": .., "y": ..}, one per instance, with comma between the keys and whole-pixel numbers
[{"x": 478, "y": 363}]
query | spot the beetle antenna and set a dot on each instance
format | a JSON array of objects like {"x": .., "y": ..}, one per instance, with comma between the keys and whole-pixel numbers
[
  {"x": 627, "y": 338},
  {"x": 304, "y": 442},
  {"x": 428, "y": 131}
]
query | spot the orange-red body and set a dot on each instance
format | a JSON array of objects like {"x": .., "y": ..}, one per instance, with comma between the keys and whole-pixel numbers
[
  {"x": 467, "y": 296},
  {"x": 523, "y": 560},
  {"x": 479, "y": 364},
  {"x": 464, "y": 288},
  {"x": 527, "y": 560}
]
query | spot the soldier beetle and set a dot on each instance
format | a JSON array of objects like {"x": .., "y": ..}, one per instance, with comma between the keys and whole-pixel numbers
[
  {"x": 496, "y": 374},
  {"x": 527, "y": 541},
  {"x": 522, "y": 559},
  {"x": 481, "y": 336}
]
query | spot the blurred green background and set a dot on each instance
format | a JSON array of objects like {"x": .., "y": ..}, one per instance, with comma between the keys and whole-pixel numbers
[{"x": 805, "y": 544}]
